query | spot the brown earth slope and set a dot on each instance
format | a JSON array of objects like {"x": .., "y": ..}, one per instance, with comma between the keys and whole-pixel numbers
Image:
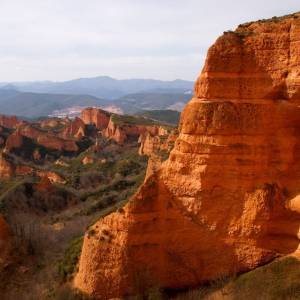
[{"x": 220, "y": 205}]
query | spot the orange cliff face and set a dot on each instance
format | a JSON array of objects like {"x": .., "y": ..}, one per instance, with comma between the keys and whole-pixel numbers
[
  {"x": 157, "y": 148},
  {"x": 75, "y": 128},
  {"x": 9, "y": 121},
  {"x": 123, "y": 132},
  {"x": 44, "y": 138},
  {"x": 226, "y": 199},
  {"x": 162, "y": 141},
  {"x": 6, "y": 168},
  {"x": 96, "y": 116},
  {"x": 14, "y": 141}
]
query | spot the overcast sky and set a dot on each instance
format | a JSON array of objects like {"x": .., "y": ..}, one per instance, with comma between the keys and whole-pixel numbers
[{"x": 162, "y": 39}]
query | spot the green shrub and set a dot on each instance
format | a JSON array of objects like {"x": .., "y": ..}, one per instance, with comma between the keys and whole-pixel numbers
[{"x": 67, "y": 266}]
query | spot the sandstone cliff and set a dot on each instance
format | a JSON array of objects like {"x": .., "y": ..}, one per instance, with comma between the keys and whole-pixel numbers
[
  {"x": 128, "y": 128},
  {"x": 96, "y": 116},
  {"x": 220, "y": 204},
  {"x": 162, "y": 141},
  {"x": 6, "y": 168},
  {"x": 9, "y": 169},
  {"x": 157, "y": 147},
  {"x": 9, "y": 121},
  {"x": 44, "y": 138},
  {"x": 75, "y": 128},
  {"x": 14, "y": 141}
]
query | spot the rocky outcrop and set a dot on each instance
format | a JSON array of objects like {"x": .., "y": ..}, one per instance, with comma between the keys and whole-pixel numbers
[
  {"x": 115, "y": 132},
  {"x": 87, "y": 160},
  {"x": 22, "y": 170},
  {"x": 157, "y": 148},
  {"x": 221, "y": 204},
  {"x": 14, "y": 141},
  {"x": 123, "y": 132},
  {"x": 95, "y": 116},
  {"x": 44, "y": 138},
  {"x": 6, "y": 168},
  {"x": 161, "y": 142},
  {"x": 9, "y": 169},
  {"x": 9, "y": 121},
  {"x": 52, "y": 177},
  {"x": 75, "y": 128},
  {"x": 57, "y": 143}
]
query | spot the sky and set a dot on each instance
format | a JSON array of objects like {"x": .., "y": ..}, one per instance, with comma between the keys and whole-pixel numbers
[{"x": 161, "y": 39}]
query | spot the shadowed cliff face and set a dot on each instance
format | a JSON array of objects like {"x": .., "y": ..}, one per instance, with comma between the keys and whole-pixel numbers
[
  {"x": 5, "y": 243},
  {"x": 226, "y": 199}
]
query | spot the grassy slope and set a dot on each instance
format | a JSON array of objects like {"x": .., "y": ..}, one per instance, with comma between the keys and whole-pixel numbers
[
  {"x": 165, "y": 116},
  {"x": 278, "y": 280},
  {"x": 99, "y": 189}
]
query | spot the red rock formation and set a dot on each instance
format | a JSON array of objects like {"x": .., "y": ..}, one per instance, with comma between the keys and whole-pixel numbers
[
  {"x": 47, "y": 139},
  {"x": 9, "y": 169},
  {"x": 9, "y": 121},
  {"x": 220, "y": 204},
  {"x": 75, "y": 128},
  {"x": 152, "y": 144},
  {"x": 115, "y": 132},
  {"x": 88, "y": 160},
  {"x": 21, "y": 170},
  {"x": 96, "y": 116},
  {"x": 14, "y": 141},
  {"x": 157, "y": 148},
  {"x": 6, "y": 168},
  {"x": 126, "y": 131},
  {"x": 51, "y": 176},
  {"x": 57, "y": 143},
  {"x": 30, "y": 131}
]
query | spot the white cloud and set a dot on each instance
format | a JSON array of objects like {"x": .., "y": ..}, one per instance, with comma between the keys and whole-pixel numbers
[{"x": 64, "y": 39}]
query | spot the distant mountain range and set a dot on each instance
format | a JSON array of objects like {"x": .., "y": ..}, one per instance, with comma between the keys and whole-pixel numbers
[
  {"x": 133, "y": 103},
  {"x": 32, "y": 105},
  {"x": 102, "y": 86},
  {"x": 35, "y": 99}
]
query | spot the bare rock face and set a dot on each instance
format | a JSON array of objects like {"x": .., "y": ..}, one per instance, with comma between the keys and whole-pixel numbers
[
  {"x": 57, "y": 143},
  {"x": 125, "y": 132},
  {"x": 22, "y": 170},
  {"x": 14, "y": 141},
  {"x": 157, "y": 147},
  {"x": 6, "y": 168},
  {"x": 87, "y": 160},
  {"x": 51, "y": 176},
  {"x": 96, "y": 116},
  {"x": 162, "y": 141},
  {"x": 115, "y": 132},
  {"x": 75, "y": 128},
  {"x": 222, "y": 202},
  {"x": 9, "y": 121},
  {"x": 44, "y": 138}
]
